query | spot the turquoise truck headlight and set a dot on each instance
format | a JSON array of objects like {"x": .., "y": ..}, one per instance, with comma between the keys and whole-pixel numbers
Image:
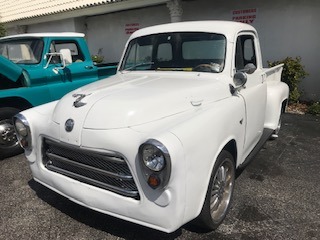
[{"x": 23, "y": 133}]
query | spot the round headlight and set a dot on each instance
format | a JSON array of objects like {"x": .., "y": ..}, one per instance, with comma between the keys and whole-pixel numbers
[
  {"x": 153, "y": 157},
  {"x": 155, "y": 162},
  {"x": 21, "y": 128}
]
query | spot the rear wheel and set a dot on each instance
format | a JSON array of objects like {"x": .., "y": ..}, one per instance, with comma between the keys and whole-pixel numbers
[
  {"x": 219, "y": 193},
  {"x": 9, "y": 145}
]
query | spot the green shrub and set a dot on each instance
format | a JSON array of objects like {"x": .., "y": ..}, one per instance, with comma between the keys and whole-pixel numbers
[
  {"x": 292, "y": 74},
  {"x": 314, "y": 108},
  {"x": 97, "y": 58},
  {"x": 3, "y": 31}
]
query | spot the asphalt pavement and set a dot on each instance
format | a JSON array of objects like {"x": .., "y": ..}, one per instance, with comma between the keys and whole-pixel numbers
[{"x": 276, "y": 197}]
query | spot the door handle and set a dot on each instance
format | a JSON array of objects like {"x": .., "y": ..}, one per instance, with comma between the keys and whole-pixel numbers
[
  {"x": 88, "y": 67},
  {"x": 196, "y": 102}
]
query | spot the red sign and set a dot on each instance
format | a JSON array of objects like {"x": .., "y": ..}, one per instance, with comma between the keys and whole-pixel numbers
[
  {"x": 244, "y": 15},
  {"x": 132, "y": 27}
]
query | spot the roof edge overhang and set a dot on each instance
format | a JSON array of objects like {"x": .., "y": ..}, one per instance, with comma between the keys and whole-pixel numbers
[{"x": 85, "y": 12}]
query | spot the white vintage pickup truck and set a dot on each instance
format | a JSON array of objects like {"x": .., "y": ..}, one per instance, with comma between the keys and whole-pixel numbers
[{"x": 158, "y": 144}]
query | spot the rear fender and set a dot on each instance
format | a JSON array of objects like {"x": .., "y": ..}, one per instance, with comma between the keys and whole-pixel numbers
[{"x": 277, "y": 96}]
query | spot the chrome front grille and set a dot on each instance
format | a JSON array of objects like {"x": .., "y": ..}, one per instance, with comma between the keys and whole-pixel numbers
[{"x": 108, "y": 171}]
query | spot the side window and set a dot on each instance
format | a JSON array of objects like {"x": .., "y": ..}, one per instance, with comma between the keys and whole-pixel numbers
[
  {"x": 245, "y": 51},
  {"x": 76, "y": 53}
]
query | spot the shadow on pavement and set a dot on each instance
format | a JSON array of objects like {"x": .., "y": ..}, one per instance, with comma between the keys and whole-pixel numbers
[{"x": 94, "y": 219}]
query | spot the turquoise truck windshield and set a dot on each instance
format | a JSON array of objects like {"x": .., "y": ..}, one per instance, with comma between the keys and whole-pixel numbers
[
  {"x": 22, "y": 51},
  {"x": 203, "y": 52}
]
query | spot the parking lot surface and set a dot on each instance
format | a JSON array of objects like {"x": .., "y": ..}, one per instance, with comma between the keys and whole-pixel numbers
[{"x": 276, "y": 197}]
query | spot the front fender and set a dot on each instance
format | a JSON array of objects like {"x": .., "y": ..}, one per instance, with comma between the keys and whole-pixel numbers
[
  {"x": 39, "y": 119},
  {"x": 203, "y": 137},
  {"x": 34, "y": 95}
]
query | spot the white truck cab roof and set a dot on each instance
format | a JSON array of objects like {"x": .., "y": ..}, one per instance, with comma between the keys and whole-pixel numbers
[{"x": 227, "y": 28}]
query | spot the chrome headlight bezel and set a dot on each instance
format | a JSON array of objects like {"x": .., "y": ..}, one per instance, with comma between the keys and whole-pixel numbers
[
  {"x": 155, "y": 162},
  {"x": 23, "y": 132}
]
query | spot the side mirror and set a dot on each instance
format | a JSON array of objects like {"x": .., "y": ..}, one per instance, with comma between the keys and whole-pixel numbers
[
  {"x": 239, "y": 80},
  {"x": 249, "y": 68},
  {"x": 66, "y": 56},
  {"x": 65, "y": 59}
]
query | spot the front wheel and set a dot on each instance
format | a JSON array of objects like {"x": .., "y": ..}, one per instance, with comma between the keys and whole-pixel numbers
[
  {"x": 219, "y": 193},
  {"x": 9, "y": 145}
]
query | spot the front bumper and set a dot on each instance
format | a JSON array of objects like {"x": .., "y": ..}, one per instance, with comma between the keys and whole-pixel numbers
[{"x": 159, "y": 209}]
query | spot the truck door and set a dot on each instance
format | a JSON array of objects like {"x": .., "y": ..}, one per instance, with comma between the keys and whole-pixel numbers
[
  {"x": 255, "y": 91},
  {"x": 76, "y": 74}
]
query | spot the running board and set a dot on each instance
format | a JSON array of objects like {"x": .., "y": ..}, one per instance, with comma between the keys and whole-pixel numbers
[{"x": 265, "y": 137}]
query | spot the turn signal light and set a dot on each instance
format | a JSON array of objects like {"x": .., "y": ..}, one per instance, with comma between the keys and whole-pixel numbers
[{"x": 153, "y": 181}]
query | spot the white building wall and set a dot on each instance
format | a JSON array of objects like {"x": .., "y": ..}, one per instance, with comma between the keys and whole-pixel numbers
[
  {"x": 66, "y": 25},
  {"x": 109, "y": 32}
]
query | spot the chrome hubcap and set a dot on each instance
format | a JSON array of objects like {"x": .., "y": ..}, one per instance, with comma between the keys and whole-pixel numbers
[
  {"x": 7, "y": 134},
  {"x": 221, "y": 190}
]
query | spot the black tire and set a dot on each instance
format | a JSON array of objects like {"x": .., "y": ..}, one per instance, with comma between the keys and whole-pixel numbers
[
  {"x": 9, "y": 145},
  {"x": 219, "y": 194}
]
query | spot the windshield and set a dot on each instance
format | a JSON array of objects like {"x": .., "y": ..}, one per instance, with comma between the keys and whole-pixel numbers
[
  {"x": 187, "y": 51},
  {"x": 23, "y": 51}
]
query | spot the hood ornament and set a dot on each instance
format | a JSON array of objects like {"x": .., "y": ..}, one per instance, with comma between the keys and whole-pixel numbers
[
  {"x": 77, "y": 103},
  {"x": 68, "y": 126}
]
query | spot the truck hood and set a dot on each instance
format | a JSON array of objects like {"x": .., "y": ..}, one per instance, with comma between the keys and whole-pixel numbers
[
  {"x": 132, "y": 99},
  {"x": 9, "y": 69}
]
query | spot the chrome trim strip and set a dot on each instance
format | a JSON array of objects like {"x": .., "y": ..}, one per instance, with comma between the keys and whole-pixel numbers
[
  {"x": 87, "y": 167},
  {"x": 112, "y": 156}
]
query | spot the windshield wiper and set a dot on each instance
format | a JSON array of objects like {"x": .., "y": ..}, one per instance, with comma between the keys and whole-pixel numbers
[{"x": 137, "y": 65}]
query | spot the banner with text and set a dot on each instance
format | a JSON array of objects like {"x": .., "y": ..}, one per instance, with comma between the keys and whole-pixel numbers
[
  {"x": 131, "y": 28},
  {"x": 245, "y": 15}
]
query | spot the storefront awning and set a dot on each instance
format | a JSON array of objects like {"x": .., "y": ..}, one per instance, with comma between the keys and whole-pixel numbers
[{"x": 12, "y": 11}]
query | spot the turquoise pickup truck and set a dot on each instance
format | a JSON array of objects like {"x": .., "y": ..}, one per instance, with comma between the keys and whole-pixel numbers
[{"x": 39, "y": 68}]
